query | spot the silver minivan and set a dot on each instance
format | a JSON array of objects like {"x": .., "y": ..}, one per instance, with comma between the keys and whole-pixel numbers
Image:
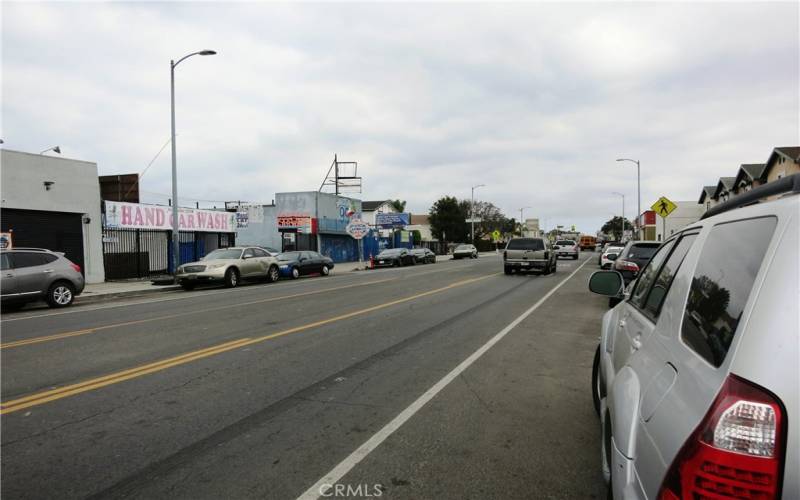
[
  {"x": 697, "y": 375},
  {"x": 31, "y": 274}
]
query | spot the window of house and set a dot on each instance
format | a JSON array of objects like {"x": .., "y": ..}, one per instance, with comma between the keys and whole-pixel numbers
[{"x": 721, "y": 285}]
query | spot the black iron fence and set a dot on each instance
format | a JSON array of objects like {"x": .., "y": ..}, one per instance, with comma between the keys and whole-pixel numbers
[{"x": 145, "y": 253}]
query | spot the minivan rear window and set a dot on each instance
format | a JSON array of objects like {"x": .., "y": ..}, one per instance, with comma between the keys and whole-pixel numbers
[
  {"x": 643, "y": 251},
  {"x": 525, "y": 244},
  {"x": 721, "y": 285}
]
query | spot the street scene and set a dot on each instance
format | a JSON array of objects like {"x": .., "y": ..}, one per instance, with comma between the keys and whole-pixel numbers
[{"x": 400, "y": 250}]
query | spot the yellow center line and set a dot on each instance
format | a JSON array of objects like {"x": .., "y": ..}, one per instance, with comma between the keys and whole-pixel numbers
[
  {"x": 57, "y": 336},
  {"x": 114, "y": 378}
]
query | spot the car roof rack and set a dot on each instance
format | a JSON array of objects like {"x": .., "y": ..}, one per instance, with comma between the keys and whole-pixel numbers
[
  {"x": 784, "y": 185},
  {"x": 29, "y": 249}
]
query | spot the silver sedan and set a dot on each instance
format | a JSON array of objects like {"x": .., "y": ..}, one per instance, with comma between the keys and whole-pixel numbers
[{"x": 229, "y": 266}]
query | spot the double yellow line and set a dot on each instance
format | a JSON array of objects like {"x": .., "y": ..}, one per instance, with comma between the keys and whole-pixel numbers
[
  {"x": 114, "y": 378},
  {"x": 57, "y": 336}
]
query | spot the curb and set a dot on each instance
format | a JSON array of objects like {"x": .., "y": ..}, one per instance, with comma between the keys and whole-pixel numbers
[{"x": 88, "y": 299}]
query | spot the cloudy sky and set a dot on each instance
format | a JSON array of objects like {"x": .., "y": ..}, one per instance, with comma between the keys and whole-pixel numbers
[{"x": 534, "y": 100}]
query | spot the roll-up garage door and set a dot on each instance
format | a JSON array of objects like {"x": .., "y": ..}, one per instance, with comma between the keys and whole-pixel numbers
[{"x": 57, "y": 231}]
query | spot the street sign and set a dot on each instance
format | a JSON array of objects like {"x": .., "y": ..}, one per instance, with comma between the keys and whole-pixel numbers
[
  {"x": 476, "y": 219},
  {"x": 496, "y": 235},
  {"x": 357, "y": 228},
  {"x": 663, "y": 206}
]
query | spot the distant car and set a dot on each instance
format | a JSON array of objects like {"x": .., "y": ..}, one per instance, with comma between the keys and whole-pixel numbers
[
  {"x": 302, "y": 263},
  {"x": 393, "y": 257},
  {"x": 608, "y": 257},
  {"x": 633, "y": 257},
  {"x": 566, "y": 248},
  {"x": 465, "y": 251},
  {"x": 529, "y": 254},
  {"x": 229, "y": 266},
  {"x": 31, "y": 274},
  {"x": 588, "y": 242},
  {"x": 423, "y": 255}
]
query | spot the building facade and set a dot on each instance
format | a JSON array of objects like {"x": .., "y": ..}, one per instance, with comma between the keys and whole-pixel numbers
[{"x": 54, "y": 203}]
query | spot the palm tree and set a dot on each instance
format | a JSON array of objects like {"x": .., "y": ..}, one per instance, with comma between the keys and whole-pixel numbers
[{"x": 399, "y": 205}]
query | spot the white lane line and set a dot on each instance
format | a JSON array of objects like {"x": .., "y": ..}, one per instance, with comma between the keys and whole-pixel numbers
[{"x": 338, "y": 472}]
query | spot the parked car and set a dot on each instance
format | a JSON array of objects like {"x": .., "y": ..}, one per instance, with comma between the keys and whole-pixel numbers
[
  {"x": 229, "y": 266},
  {"x": 566, "y": 248},
  {"x": 303, "y": 263},
  {"x": 695, "y": 377},
  {"x": 465, "y": 251},
  {"x": 393, "y": 257},
  {"x": 607, "y": 258},
  {"x": 31, "y": 274},
  {"x": 634, "y": 256},
  {"x": 272, "y": 251},
  {"x": 529, "y": 254},
  {"x": 423, "y": 255}
]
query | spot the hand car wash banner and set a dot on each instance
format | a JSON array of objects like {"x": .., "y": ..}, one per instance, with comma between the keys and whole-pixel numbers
[{"x": 120, "y": 215}]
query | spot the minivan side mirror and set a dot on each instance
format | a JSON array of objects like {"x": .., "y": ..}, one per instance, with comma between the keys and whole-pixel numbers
[{"x": 607, "y": 283}]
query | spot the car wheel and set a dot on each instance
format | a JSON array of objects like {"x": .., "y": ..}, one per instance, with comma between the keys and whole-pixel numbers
[
  {"x": 507, "y": 270},
  {"x": 295, "y": 273},
  {"x": 325, "y": 271},
  {"x": 575, "y": 257},
  {"x": 596, "y": 381},
  {"x": 273, "y": 274},
  {"x": 187, "y": 286},
  {"x": 231, "y": 278},
  {"x": 60, "y": 294}
]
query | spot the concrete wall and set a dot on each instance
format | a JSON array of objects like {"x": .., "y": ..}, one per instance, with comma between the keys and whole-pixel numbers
[
  {"x": 262, "y": 227},
  {"x": 75, "y": 189}
]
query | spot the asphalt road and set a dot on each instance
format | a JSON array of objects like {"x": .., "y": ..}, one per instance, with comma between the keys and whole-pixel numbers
[{"x": 381, "y": 382}]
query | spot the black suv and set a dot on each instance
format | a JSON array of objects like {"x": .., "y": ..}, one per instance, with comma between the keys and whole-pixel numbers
[{"x": 633, "y": 257}]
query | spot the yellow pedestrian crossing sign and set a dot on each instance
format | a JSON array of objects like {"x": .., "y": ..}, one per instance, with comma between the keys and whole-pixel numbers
[
  {"x": 663, "y": 206},
  {"x": 496, "y": 235}
]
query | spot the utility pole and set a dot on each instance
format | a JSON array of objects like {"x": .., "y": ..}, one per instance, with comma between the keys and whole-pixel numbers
[
  {"x": 472, "y": 211},
  {"x": 638, "y": 194},
  {"x": 521, "y": 220}
]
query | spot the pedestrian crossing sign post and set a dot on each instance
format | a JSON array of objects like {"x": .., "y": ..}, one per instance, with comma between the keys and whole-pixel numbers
[
  {"x": 496, "y": 235},
  {"x": 663, "y": 206}
]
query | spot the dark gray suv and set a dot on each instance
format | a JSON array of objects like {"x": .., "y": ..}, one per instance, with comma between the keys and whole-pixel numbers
[{"x": 31, "y": 274}]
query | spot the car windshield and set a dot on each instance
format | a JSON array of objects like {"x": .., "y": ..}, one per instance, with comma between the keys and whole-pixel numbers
[
  {"x": 643, "y": 251},
  {"x": 391, "y": 252},
  {"x": 565, "y": 242},
  {"x": 224, "y": 253},
  {"x": 463, "y": 247},
  {"x": 289, "y": 256},
  {"x": 526, "y": 244}
]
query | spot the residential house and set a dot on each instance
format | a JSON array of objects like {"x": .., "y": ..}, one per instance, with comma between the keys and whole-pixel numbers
[
  {"x": 750, "y": 175},
  {"x": 782, "y": 162},
  {"x": 724, "y": 190}
]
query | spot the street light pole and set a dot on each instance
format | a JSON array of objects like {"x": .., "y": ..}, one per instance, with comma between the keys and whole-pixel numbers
[
  {"x": 638, "y": 194},
  {"x": 175, "y": 219},
  {"x": 623, "y": 212},
  {"x": 472, "y": 211}
]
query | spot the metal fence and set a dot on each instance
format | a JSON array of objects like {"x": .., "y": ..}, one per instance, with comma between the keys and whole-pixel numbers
[{"x": 145, "y": 253}]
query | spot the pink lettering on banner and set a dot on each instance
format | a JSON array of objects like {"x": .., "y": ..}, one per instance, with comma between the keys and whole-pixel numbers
[
  {"x": 148, "y": 216},
  {"x": 137, "y": 219},
  {"x": 224, "y": 221},
  {"x": 126, "y": 215},
  {"x": 159, "y": 217},
  {"x": 190, "y": 221},
  {"x": 201, "y": 219},
  {"x": 182, "y": 221}
]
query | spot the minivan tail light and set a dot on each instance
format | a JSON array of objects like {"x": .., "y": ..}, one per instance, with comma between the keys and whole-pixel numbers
[
  {"x": 626, "y": 265},
  {"x": 737, "y": 451}
]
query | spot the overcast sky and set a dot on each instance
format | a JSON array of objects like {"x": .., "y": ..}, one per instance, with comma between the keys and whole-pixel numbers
[{"x": 534, "y": 100}]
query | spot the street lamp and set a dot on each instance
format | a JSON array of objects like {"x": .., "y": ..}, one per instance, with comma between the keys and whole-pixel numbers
[
  {"x": 623, "y": 211},
  {"x": 638, "y": 194},
  {"x": 472, "y": 210},
  {"x": 521, "y": 220},
  {"x": 175, "y": 220},
  {"x": 54, "y": 149}
]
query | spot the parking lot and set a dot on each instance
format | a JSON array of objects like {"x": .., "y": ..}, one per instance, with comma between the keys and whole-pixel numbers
[{"x": 449, "y": 380}]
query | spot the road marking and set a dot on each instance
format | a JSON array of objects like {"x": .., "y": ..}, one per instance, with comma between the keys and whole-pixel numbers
[
  {"x": 129, "y": 300},
  {"x": 57, "y": 336},
  {"x": 113, "y": 378},
  {"x": 338, "y": 472}
]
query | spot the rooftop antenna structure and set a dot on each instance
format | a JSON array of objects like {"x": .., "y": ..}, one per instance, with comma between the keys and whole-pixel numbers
[{"x": 343, "y": 176}]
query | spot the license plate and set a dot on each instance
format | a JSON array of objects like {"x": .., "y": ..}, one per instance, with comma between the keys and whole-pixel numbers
[{"x": 380, "y": 262}]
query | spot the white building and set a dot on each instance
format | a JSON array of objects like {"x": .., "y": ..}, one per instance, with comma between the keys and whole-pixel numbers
[
  {"x": 54, "y": 203},
  {"x": 685, "y": 213}
]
